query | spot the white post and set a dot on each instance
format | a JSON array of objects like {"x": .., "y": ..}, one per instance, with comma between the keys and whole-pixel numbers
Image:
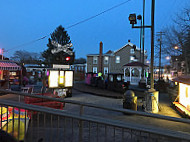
[
  {"x": 130, "y": 74},
  {"x": 124, "y": 74},
  {"x": 140, "y": 70}
]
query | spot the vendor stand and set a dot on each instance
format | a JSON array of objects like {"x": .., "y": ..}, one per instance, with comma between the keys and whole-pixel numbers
[
  {"x": 182, "y": 102},
  {"x": 9, "y": 73}
]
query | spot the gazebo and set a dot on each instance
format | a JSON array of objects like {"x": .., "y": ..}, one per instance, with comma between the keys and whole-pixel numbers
[{"x": 133, "y": 71}]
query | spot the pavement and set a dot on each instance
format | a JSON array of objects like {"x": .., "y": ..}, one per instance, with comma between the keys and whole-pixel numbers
[{"x": 165, "y": 104}]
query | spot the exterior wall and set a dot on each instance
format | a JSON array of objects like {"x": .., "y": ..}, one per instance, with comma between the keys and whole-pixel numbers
[
  {"x": 124, "y": 54},
  {"x": 114, "y": 67},
  {"x": 90, "y": 64}
]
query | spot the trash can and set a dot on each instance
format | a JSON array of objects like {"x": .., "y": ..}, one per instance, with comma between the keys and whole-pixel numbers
[{"x": 130, "y": 100}]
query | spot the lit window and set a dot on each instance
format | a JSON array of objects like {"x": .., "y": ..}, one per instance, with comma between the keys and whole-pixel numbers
[
  {"x": 132, "y": 51},
  {"x": 105, "y": 70},
  {"x": 95, "y": 70},
  {"x": 117, "y": 59},
  {"x": 95, "y": 60},
  {"x": 132, "y": 58},
  {"x": 106, "y": 60}
]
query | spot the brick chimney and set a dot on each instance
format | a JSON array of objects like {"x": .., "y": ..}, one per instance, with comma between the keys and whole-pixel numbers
[
  {"x": 129, "y": 40},
  {"x": 100, "y": 58}
]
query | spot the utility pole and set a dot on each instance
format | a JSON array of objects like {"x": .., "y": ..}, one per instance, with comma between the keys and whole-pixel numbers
[
  {"x": 143, "y": 35},
  {"x": 160, "y": 39},
  {"x": 152, "y": 47}
]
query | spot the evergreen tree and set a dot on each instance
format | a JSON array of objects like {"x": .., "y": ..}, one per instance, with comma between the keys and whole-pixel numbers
[{"x": 61, "y": 37}]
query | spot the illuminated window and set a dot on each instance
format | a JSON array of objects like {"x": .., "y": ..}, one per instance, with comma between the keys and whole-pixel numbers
[
  {"x": 95, "y": 70},
  {"x": 105, "y": 70},
  {"x": 117, "y": 59},
  {"x": 95, "y": 60},
  {"x": 132, "y": 51},
  {"x": 106, "y": 60},
  {"x": 132, "y": 58}
]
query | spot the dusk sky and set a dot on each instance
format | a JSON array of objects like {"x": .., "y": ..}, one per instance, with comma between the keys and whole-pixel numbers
[{"x": 24, "y": 21}]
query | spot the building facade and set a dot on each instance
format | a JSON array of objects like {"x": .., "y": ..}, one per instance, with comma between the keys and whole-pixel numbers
[{"x": 113, "y": 61}]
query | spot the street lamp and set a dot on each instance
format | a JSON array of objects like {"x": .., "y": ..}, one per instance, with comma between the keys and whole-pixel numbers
[
  {"x": 139, "y": 17},
  {"x": 167, "y": 57},
  {"x": 176, "y": 47}
]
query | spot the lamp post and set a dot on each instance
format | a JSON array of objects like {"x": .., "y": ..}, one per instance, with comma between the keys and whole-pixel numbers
[{"x": 139, "y": 17}]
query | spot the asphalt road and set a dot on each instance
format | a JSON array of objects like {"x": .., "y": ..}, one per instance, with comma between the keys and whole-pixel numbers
[{"x": 117, "y": 103}]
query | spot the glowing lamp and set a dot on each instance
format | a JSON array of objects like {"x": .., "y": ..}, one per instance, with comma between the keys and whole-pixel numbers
[
  {"x": 61, "y": 78},
  {"x": 68, "y": 58}
]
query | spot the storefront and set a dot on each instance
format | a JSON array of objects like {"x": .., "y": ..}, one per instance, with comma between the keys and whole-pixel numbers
[
  {"x": 182, "y": 101},
  {"x": 9, "y": 73}
]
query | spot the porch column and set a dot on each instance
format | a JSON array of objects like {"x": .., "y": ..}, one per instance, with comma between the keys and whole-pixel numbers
[
  {"x": 130, "y": 73},
  {"x": 140, "y": 71},
  {"x": 124, "y": 74}
]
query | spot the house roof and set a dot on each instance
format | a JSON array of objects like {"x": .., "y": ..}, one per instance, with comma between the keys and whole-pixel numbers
[
  {"x": 183, "y": 79},
  {"x": 136, "y": 64},
  {"x": 128, "y": 44},
  {"x": 9, "y": 65},
  {"x": 110, "y": 53}
]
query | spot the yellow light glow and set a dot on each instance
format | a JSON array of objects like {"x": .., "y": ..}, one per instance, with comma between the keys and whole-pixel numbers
[
  {"x": 184, "y": 94},
  {"x": 53, "y": 79},
  {"x": 176, "y": 47},
  {"x": 61, "y": 77},
  {"x": 68, "y": 78},
  {"x": 175, "y": 83}
]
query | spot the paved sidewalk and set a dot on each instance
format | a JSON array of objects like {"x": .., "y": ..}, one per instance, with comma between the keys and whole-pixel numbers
[{"x": 164, "y": 100}]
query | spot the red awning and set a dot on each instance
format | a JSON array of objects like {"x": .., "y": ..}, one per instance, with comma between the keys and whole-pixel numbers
[{"x": 8, "y": 65}]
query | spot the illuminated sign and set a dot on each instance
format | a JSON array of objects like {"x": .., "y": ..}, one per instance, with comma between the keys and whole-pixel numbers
[
  {"x": 60, "y": 79},
  {"x": 68, "y": 78},
  {"x": 184, "y": 94},
  {"x": 53, "y": 79}
]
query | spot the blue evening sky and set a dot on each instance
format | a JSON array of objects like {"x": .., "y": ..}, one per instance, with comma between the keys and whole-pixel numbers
[{"x": 23, "y": 21}]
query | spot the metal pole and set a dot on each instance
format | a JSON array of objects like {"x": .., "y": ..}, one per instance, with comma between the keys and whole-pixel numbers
[
  {"x": 140, "y": 40},
  {"x": 143, "y": 38},
  {"x": 160, "y": 55},
  {"x": 160, "y": 59},
  {"x": 152, "y": 45}
]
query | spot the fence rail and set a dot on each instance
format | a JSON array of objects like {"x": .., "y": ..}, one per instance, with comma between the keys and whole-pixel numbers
[{"x": 50, "y": 125}]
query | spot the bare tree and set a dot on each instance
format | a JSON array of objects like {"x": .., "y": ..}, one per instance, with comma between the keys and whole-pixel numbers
[
  {"x": 177, "y": 38},
  {"x": 26, "y": 57}
]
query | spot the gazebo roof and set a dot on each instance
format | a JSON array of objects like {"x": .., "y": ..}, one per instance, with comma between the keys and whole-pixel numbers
[
  {"x": 136, "y": 64},
  {"x": 183, "y": 79}
]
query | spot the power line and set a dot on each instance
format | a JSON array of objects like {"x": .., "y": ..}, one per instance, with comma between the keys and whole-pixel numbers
[
  {"x": 92, "y": 17},
  {"x": 80, "y": 22}
]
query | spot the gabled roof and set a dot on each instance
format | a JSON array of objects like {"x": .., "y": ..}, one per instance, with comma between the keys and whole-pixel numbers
[
  {"x": 136, "y": 64},
  {"x": 111, "y": 53},
  {"x": 129, "y": 44}
]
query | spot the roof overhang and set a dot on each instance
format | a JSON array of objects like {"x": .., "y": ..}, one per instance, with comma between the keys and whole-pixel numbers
[
  {"x": 9, "y": 65},
  {"x": 183, "y": 79}
]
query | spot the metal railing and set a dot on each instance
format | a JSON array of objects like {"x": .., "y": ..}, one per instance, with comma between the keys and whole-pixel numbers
[
  {"x": 46, "y": 123},
  {"x": 49, "y": 125}
]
